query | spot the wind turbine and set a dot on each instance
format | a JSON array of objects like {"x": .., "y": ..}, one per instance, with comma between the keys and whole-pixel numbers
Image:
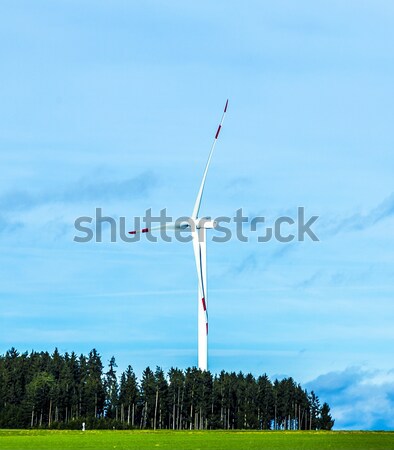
[{"x": 199, "y": 227}]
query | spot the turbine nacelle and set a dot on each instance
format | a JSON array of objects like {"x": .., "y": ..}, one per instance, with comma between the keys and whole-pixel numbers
[
  {"x": 205, "y": 222},
  {"x": 197, "y": 224}
]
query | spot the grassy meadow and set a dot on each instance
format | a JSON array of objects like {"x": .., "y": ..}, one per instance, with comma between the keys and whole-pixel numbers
[{"x": 191, "y": 440}]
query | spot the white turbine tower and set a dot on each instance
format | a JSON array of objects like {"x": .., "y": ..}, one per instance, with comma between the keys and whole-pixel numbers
[
  {"x": 199, "y": 235},
  {"x": 198, "y": 227}
]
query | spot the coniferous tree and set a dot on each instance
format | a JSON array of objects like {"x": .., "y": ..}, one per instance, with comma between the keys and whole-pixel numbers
[
  {"x": 265, "y": 402},
  {"x": 128, "y": 396},
  {"x": 92, "y": 394},
  {"x": 206, "y": 412},
  {"x": 314, "y": 411},
  {"x": 326, "y": 421},
  {"x": 148, "y": 398},
  {"x": 250, "y": 406},
  {"x": 175, "y": 392},
  {"x": 161, "y": 419},
  {"x": 40, "y": 394},
  {"x": 111, "y": 391}
]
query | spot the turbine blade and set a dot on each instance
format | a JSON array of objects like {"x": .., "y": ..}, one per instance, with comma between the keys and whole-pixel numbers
[
  {"x": 200, "y": 262},
  {"x": 201, "y": 190},
  {"x": 143, "y": 230},
  {"x": 168, "y": 226}
]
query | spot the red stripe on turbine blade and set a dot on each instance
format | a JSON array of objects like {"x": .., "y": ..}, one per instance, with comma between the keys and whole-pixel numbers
[
  {"x": 225, "y": 108},
  {"x": 144, "y": 230},
  {"x": 217, "y": 133},
  {"x": 132, "y": 232},
  {"x": 203, "y": 304},
  {"x": 206, "y": 326}
]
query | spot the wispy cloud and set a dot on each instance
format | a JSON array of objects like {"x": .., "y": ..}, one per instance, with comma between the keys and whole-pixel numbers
[
  {"x": 310, "y": 281},
  {"x": 84, "y": 190},
  {"x": 249, "y": 263},
  {"x": 8, "y": 225},
  {"x": 253, "y": 260},
  {"x": 359, "y": 221}
]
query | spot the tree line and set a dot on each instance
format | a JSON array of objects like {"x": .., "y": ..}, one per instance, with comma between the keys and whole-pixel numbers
[{"x": 61, "y": 391}]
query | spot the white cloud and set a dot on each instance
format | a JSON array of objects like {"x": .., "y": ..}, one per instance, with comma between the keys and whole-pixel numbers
[{"x": 360, "y": 399}]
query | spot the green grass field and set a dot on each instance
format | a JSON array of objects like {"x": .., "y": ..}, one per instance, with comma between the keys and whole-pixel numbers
[{"x": 185, "y": 440}]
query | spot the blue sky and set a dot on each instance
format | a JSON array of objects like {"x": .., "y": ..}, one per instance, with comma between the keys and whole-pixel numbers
[{"x": 114, "y": 105}]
